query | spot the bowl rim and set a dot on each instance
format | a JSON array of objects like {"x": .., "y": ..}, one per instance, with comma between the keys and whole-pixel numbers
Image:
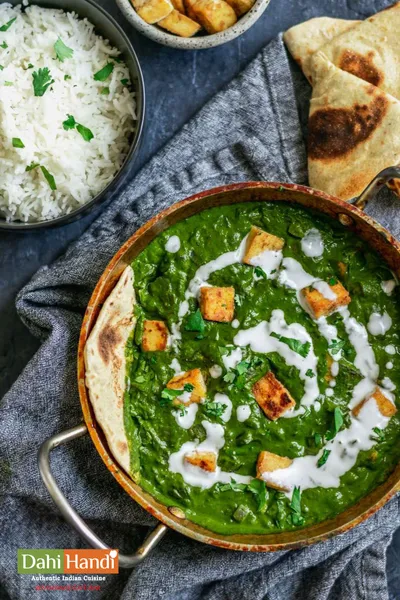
[
  {"x": 115, "y": 183},
  {"x": 287, "y": 540},
  {"x": 193, "y": 43}
]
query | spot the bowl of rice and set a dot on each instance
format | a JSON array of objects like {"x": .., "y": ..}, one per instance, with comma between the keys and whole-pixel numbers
[{"x": 71, "y": 111}]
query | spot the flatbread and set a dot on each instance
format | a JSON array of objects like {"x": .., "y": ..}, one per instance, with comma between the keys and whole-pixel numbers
[
  {"x": 353, "y": 131},
  {"x": 308, "y": 37},
  {"x": 106, "y": 365}
]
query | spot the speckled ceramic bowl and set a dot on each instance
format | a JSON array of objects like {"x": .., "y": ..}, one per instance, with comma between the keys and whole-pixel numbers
[{"x": 200, "y": 41}]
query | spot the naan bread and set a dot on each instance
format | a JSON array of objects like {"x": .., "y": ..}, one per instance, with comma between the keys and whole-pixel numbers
[
  {"x": 308, "y": 37},
  {"x": 353, "y": 131},
  {"x": 106, "y": 364}
]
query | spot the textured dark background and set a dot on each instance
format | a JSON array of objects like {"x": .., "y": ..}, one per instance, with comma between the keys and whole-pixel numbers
[{"x": 177, "y": 83}]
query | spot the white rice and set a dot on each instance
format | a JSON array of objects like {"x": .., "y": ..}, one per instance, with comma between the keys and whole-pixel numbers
[{"x": 81, "y": 169}]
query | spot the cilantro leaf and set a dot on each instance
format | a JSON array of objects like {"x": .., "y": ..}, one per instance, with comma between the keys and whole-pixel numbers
[
  {"x": 32, "y": 166},
  {"x": 104, "y": 73},
  {"x": 17, "y": 143},
  {"x": 299, "y": 347},
  {"x": 85, "y": 132},
  {"x": 229, "y": 377},
  {"x": 66, "y": 77},
  {"x": 310, "y": 373},
  {"x": 338, "y": 419},
  {"x": 242, "y": 367},
  {"x": 1, "y": 68},
  {"x": 235, "y": 487},
  {"x": 195, "y": 322},
  {"x": 317, "y": 439},
  {"x": 49, "y": 178},
  {"x": 379, "y": 435},
  {"x": 332, "y": 281},
  {"x": 295, "y": 505},
  {"x": 69, "y": 123},
  {"x": 168, "y": 394},
  {"x": 188, "y": 387},
  {"x": 336, "y": 346},
  {"x": 125, "y": 82},
  {"x": 4, "y": 45},
  {"x": 214, "y": 409},
  {"x": 62, "y": 51},
  {"x": 105, "y": 91},
  {"x": 30, "y": 66},
  {"x": 41, "y": 81},
  {"x": 260, "y": 272},
  {"x": 323, "y": 458},
  {"x": 7, "y": 25},
  {"x": 259, "y": 489}
]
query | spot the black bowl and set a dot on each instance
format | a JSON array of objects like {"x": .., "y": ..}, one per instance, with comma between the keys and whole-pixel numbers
[{"x": 108, "y": 28}]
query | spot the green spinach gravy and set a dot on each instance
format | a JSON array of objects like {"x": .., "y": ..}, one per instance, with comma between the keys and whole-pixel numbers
[{"x": 337, "y": 460}]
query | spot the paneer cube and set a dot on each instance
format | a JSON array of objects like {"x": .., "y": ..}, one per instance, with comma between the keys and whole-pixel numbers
[
  {"x": 179, "y": 5},
  {"x": 268, "y": 462},
  {"x": 385, "y": 406},
  {"x": 203, "y": 459},
  {"x": 155, "y": 336},
  {"x": 241, "y": 6},
  {"x": 272, "y": 397},
  {"x": 179, "y": 24},
  {"x": 319, "y": 305},
  {"x": 258, "y": 241},
  {"x": 217, "y": 303},
  {"x": 195, "y": 379},
  {"x": 152, "y": 11},
  {"x": 213, "y": 15}
]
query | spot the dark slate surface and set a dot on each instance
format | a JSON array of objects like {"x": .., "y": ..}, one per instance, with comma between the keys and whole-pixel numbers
[{"x": 178, "y": 83}]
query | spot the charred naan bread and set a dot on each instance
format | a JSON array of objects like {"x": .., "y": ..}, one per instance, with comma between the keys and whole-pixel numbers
[
  {"x": 308, "y": 37},
  {"x": 353, "y": 130},
  {"x": 106, "y": 365}
]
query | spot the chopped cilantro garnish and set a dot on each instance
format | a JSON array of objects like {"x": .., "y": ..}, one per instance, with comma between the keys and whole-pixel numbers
[
  {"x": 66, "y": 77},
  {"x": 30, "y": 66},
  {"x": 337, "y": 419},
  {"x": 117, "y": 59},
  {"x": 295, "y": 505},
  {"x": 229, "y": 377},
  {"x": 214, "y": 409},
  {"x": 310, "y": 373},
  {"x": 167, "y": 398},
  {"x": 299, "y": 347},
  {"x": 235, "y": 487},
  {"x": 41, "y": 81},
  {"x": 104, "y": 73},
  {"x": 168, "y": 394},
  {"x": 17, "y": 143},
  {"x": 62, "y": 51},
  {"x": 49, "y": 178},
  {"x": 125, "y": 82},
  {"x": 196, "y": 322},
  {"x": 242, "y": 367},
  {"x": 323, "y": 458},
  {"x": 379, "y": 435},
  {"x": 317, "y": 439},
  {"x": 188, "y": 387},
  {"x": 332, "y": 281},
  {"x": 69, "y": 123},
  {"x": 32, "y": 166},
  {"x": 105, "y": 91},
  {"x": 7, "y": 25},
  {"x": 260, "y": 272},
  {"x": 4, "y": 45},
  {"x": 85, "y": 132},
  {"x": 1, "y": 68},
  {"x": 256, "y": 487},
  {"x": 336, "y": 346}
]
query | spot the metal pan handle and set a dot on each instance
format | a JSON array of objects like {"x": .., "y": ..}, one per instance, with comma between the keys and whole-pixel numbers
[
  {"x": 125, "y": 560},
  {"x": 379, "y": 180}
]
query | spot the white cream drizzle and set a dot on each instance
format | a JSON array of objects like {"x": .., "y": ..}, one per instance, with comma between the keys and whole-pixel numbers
[
  {"x": 389, "y": 365},
  {"x": 344, "y": 449},
  {"x": 388, "y": 286},
  {"x": 312, "y": 244},
  {"x": 325, "y": 290},
  {"x": 223, "y": 399},
  {"x": 269, "y": 261},
  {"x": 195, "y": 476},
  {"x": 176, "y": 367},
  {"x": 173, "y": 244},
  {"x": 232, "y": 359},
  {"x": 260, "y": 340},
  {"x": 379, "y": 324},
  {"x": 186, "y": 418},
  {"x": 215, "y": 371},
  {"x": 390, "y": 349},
  {"x": 235, "y": 323},
  {"x": 243, "y": 412}
]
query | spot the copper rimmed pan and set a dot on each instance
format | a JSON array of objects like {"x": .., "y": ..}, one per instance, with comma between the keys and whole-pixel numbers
[{"x": 351, "y": 216}]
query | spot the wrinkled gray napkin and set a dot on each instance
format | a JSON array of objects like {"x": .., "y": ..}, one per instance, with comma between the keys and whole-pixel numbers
[{"x": 251, "y": 130}]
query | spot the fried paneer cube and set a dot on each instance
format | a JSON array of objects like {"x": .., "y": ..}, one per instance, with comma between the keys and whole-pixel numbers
[
  {"x": 203, "y": 459},
  {"x": 385, "y": 406},
  {"x": 259, "y": 241},
  {"x": 272, "y": 397},
  {"x": 179, "y": 24},
  {"x": 179, "y": 5},
  {"x": 213, "y": 15},
  {"x": 195, "y": 379},
  {"x": 241, "y": 6},
  {"x": 155, "y": 336},
  {"x": 268, "y": 462},
  {"x": 320, "y": 306},
  {"x": 152, "y": 11},
  {"x": 217, "y": 303}
]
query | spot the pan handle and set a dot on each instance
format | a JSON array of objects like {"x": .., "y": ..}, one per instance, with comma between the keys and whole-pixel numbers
[
  {"x": 125, "y": 560},
  {"x": 375, "y": 185}
]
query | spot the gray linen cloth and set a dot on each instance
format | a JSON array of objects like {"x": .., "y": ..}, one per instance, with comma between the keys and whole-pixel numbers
[{"x": 251, "y": 130}]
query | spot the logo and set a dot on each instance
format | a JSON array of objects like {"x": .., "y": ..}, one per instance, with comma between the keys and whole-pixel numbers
[{"x": 99, "y": 562}]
